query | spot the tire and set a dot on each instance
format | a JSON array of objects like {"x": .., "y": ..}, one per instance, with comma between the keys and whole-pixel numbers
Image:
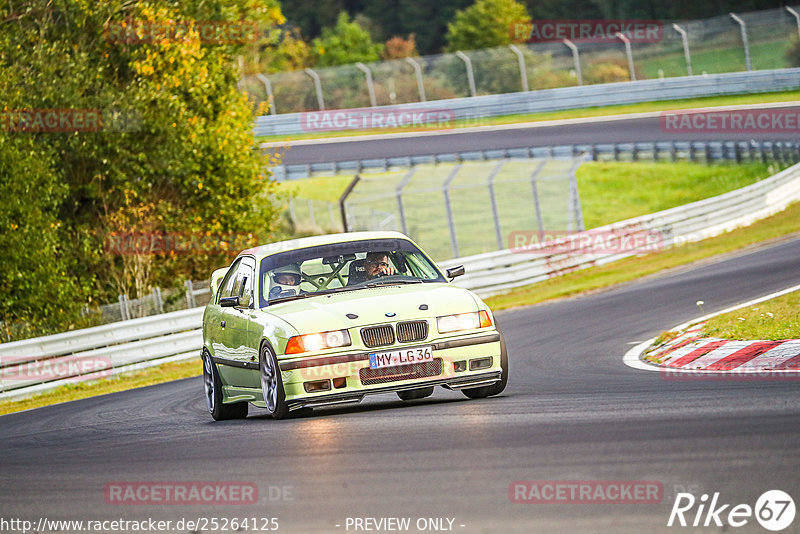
[
  {"x": 414, "y": 394},
  {"x": 213, "y": 394},
  {"x": 497, "y": 387},
  {"x": 272, "y": 384}
]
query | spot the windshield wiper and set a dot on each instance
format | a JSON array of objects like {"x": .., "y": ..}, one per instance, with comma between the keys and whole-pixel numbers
[{"x": 393, "y": 282}]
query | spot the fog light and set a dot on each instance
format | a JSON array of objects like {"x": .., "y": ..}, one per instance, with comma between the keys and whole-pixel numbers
[
  {"x": 317, "y": 385},
  {"x": 340, "y": 382},
  {"x": 460, "y": 366},
  {"x": 480, "y": 363}
]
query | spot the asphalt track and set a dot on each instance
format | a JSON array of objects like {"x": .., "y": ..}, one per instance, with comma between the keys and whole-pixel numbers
[
  {"x": 618, "y": 130},
  {"x": 572, "y": 411}
]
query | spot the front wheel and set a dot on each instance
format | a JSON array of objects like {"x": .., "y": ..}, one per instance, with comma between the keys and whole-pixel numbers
[
  {"x": 213, "y": 390},
  {"x": 497, "y": 387},
  {"x": 272, "y": 384}
]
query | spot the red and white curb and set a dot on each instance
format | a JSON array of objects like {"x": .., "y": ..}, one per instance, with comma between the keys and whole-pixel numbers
[{"x": 691, "y": 353}]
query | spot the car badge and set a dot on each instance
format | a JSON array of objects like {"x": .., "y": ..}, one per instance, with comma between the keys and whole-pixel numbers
[{"x": 390, "y": 314}]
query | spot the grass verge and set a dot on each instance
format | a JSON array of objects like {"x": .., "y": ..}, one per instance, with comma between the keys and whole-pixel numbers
[
  {"x": 81, "y": 390},
  {"x": 775, "y": 319},
  {"x": 597, "y": 111}
]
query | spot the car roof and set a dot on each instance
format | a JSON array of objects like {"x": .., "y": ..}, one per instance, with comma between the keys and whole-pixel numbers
[{"x": 328, "y": 239}]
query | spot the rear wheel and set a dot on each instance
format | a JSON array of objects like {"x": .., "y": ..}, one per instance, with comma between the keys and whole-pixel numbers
[
  {"x": 213, "y": 390},
  {"x": 272, "y": 384},
  {"x": 497, "y": 387},
  {"x": 414, "y": 394}
]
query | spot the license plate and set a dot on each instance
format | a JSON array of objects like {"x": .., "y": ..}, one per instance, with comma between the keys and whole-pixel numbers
[{"x": 391, "y": 358}]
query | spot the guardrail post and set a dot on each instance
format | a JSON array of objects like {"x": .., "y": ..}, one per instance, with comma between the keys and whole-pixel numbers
[
  {"x": 673, "y": 151},
  {"x": 536, "y": 205},
  {"x": 449, "y": 209},
  {"x": 523, "y": 73},
  {"x": 343, "y": 199},
  {"x": 318, "y": 87},
  {"x": 629, "y": 53},
  {"x": 418, "y": 73},
  {"x": 743, "y": 28},
  {"x": 686, "y": 54},
  {"x": 576, "y": 60},
  {"x": 370, "y": 86},
  {"x": 399, "y": 194},
  {"x": 270, "y": 98},
  {"x": 495, "y": 213},
  {"x": 470, "y": 76}
]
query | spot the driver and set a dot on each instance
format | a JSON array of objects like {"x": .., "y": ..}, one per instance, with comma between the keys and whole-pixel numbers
[
  {"x": 377, "y": 264},
  {"x": 285, "y": 281}
]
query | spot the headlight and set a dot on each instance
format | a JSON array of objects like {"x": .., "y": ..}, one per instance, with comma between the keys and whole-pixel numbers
[
  {"x": 318, "y": 341},
  {"x": 463, "y": 321}
]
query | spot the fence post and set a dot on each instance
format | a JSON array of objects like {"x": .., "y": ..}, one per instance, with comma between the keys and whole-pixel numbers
[
  {"x": 449, "y": 209},
  {"x": 796, "y": 16},
  {"x": 189, "y": 294},
  {"x": 370, "y": 86},
  {"x": 311, "y": 216},
  {"x": 343, "y": 199},
  {"x": 686, "y": 54},
  {"x": 399, "y": 195},
  {"x": 418, "y": 74},
  {"x": 575, "y": 59},
  {"x": 743, "y": 27},
  {"x": 157, "y": 299},
  {"x": 575, "y": 206},
  {"x": 536, "y": 205},
  {"x": 495, "y": 213},
  {"x": 292, "y": 214},
  {"x": 124, "y": 311},
  {"x": 318, "y": 87},
  {"x": 270, "y": 98},
  {"x": 470, "y": 76},
  {"x": 523, "y": 73},
  {"x": 629, "y": 53}
]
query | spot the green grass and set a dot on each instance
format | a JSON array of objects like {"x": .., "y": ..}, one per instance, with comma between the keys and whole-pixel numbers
[
  {"x": 597, "y": 111},
  {"x": 778, "y": 318}
]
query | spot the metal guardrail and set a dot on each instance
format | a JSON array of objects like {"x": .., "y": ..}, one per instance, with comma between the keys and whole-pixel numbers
[
  {"x": 707, "y": 151},
  {"x": 476, "y": 107},
  {"x": 497, "y": 272},
  {"x": 150, "y": 340}
]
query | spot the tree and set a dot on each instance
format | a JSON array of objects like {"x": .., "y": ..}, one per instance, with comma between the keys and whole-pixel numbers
[
  {"x": 182, "y": 160},
  {"x": 345, "y": 43},
  {"x": 485, "y": 24},
  {"x": 398, "y": 48}
]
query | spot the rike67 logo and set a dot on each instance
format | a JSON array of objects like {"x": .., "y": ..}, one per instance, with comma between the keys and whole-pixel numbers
[{"x": 774, "y": 510}]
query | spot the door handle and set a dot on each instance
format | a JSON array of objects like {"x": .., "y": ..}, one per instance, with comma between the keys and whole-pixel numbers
[{"x": 222, "y": 324}]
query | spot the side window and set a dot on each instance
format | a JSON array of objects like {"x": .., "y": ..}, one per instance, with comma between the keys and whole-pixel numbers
[{"x": 227, "y": 285}]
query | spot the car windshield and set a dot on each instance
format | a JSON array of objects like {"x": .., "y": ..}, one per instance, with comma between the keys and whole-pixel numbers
[{"x": 349, "y": 266}]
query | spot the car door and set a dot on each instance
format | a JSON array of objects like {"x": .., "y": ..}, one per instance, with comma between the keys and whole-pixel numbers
[{"x": 240, "y": 354}]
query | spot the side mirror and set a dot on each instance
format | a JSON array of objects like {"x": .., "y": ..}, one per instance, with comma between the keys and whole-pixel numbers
[
  {"x": 244, "y": 300},
  {"x": 452, "y": 272},
  {"x": 229, "y": 302}
]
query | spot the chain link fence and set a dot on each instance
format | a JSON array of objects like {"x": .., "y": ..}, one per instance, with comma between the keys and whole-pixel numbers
[{"x": 730, "y": 43}]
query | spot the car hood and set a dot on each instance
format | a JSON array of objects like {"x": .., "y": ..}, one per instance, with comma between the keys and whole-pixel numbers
[{"x": 371, "y": 305}]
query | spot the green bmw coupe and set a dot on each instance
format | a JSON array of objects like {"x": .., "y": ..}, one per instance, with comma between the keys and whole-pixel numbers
[{"x": 329, "y": 319}]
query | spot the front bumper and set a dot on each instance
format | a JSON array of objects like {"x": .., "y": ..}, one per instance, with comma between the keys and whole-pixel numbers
[{"x": 349, "y": 369}]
